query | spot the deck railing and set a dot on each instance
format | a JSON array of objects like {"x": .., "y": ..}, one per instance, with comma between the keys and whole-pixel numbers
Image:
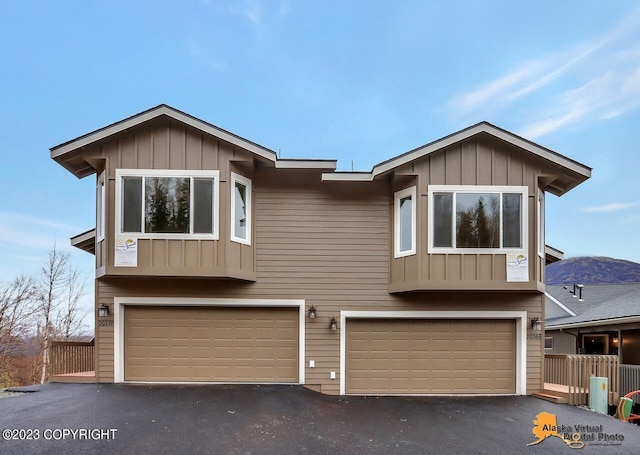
[
  {"x": 630, "y": 380},
  {"x": 574, "y": 371},
  {"x": 66, "y": 357}
]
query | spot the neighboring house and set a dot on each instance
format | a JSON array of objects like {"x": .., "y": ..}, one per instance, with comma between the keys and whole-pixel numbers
[
  {"x": 220, "y": 262},
  {"x": 596, "y": 319}
]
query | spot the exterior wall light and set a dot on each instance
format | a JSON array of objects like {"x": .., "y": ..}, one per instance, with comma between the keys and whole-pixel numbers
[
  {"x": 333, "y": 324},
  {"x": 536, "y": 324},
  {"x": 103, "y": 311},
  {"x": 312, "y": 312}
]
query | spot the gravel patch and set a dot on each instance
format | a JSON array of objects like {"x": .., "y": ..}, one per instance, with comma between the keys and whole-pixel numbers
[{"x": 4, "y": 393}]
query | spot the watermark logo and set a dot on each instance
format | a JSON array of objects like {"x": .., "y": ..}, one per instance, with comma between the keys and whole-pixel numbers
[{"x": 545, "y": 426}]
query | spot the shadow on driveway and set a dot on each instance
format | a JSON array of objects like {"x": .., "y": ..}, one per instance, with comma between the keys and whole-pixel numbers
[{"x": 252, "y": 419}]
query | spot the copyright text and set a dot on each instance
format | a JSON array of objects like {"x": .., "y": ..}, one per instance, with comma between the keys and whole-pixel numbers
[{"x": 59, "y": 434}]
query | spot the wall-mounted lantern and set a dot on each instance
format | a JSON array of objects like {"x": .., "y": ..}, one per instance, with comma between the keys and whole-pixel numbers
[
  {"x": 536, "y": 324},
  {"x": 333, "y": 324},
  {"x": 103, "y": 310},
  {"x": 312, "y": 312}
]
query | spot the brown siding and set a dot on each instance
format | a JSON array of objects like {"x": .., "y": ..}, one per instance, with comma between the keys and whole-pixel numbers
[
  {"x": 563, "y": 343},
  {"x": 477, "y": 161},
  {"x": 328, "y": 244},
  {"x": 165, "y": 144}
]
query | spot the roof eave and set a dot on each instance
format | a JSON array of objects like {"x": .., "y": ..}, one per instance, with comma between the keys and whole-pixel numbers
[
  {"x": 575, "y": 172},
  {"x": 611, "y": 321},
  {"x": 64, "y": 153},
  {"x": 85, "y": 241}
]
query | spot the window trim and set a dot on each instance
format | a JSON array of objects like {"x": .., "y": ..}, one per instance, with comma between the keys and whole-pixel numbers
[
  {"x": 545, "y": 343},
  {"x": 397, "y": 196},
  {"x": 237, "y": 178},
  {"x": 524, "y": 190},
  {"x": 101, "y": 207},
  {"x": 540, "y": 223},
  {"x": 212, "y": 174}
]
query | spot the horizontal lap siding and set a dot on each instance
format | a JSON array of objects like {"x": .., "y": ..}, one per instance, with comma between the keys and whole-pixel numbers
[{"x": 327, "y": 244}]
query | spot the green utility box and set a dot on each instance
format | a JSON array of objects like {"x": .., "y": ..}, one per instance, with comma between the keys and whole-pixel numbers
[{"x": 599, "y": 394}]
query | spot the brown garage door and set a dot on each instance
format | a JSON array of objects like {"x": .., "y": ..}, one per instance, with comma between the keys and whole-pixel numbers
[
  {"x": 430, "y": 356},
  {"x": 211, "y": 344}
]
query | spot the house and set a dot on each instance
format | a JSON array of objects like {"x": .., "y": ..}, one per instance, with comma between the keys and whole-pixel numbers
[
  {"x": 218, "y": 261},
  {"x": 594, "y": 319}
]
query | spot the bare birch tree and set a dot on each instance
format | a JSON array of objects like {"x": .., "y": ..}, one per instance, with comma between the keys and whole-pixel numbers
[
  {"x": 69, "y": 320},
  {"x": 59, "y": 290},
  {"x": 16, "y": 317}
]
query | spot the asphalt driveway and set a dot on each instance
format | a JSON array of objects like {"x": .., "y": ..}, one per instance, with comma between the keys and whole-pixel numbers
[{"x": 251, "y": 419}]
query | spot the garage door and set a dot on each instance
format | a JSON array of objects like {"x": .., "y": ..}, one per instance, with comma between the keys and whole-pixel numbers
[
  {"x": 430, "y": 356},
  {"x": 211, "y": 344}
]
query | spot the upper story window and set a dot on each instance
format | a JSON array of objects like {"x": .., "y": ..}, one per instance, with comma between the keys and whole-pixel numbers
[
  {"x": 405, "y": 222},
  {"x": 101, "y": 208},
  {"x": 240, "y": 209},
  {"x": 477, "y": 219},
  {"x": 167, "y": 203}
]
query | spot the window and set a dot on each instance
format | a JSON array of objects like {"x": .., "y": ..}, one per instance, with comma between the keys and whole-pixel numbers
[
  {"x": 101, "y": 208},
  {"x": 167, "y": 203},
  {"x": 405, "y": 222},
  {"x": 240, "y": 209},
  {"x": 541, "y": 224},
  {"x": 477, "y": 219},
  {"x": 548, "y": 342}
]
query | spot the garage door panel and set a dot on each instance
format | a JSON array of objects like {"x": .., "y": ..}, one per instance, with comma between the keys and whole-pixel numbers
[
  {"x": 211, "y": 344},
  {"x": 430, "y": 356}
]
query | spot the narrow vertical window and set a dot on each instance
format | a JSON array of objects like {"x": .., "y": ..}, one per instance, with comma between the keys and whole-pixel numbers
[
  {"x": 203, "y": 197},
  {"x": 101, "y": 208},
  {"x": 405, "y": 222},
  {"x": 512, "y": 220},
  {"x": 240, "y": 209},
  {"x": 443, "y": 220},
  {"x": 132, "y": 204}
]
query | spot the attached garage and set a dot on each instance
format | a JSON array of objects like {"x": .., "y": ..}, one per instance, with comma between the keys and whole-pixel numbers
[
  {"x": 210, "y": 344},
  {"x": 431, "y": 356}
]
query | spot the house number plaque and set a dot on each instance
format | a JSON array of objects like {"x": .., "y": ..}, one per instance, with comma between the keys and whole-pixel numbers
[{"x": 105, "y": 323}]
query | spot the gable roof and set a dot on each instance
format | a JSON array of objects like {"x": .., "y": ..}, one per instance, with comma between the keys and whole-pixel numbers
[
  {"x": 602, "y": 304},
  {"x": 68, "y": 154},
  {"x": 574, "y": 172}
]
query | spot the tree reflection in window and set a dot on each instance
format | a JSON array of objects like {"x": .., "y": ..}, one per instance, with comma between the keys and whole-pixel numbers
[
  {"x": 478, "y": 220},
  {"x": 167, "y": 204}
]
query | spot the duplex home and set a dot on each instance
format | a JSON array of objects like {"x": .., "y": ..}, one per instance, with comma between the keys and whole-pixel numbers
[{"x": 218, "y": 261}]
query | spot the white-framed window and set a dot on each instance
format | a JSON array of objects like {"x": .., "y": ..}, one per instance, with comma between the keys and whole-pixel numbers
[
  {"x": 101, "y": 208},
  {"x": 548, "y": 343},
  {"x": 404, "y": 202},
  {"x": 159, "y": 203},
  {"x": 477, "y": 219},
  {"x": 540, "y": 219},
  {"x": 240, "y": 209}
]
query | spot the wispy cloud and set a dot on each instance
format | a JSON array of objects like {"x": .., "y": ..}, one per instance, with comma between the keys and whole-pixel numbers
[
  {"x": 611, "y": 207},
  {"x": 33, "y": 233},
  {"x": 600, "y": 79}
]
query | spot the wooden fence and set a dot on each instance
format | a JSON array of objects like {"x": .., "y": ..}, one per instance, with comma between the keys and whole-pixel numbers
[
  {"x": 66, "y": 357},
  {"x": 630, "y": 380},
  {"x": 574, "y": 372}
]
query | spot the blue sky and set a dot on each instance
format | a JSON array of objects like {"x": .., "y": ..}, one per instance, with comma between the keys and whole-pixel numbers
[{"x": 354, "y": 80}]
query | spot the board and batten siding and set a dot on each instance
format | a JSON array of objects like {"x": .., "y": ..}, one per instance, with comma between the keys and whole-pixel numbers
[
  {"x": 168, "y": 144},
  {"x": 477, "y": 161},
  {"x": 328, "y": 245}
]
